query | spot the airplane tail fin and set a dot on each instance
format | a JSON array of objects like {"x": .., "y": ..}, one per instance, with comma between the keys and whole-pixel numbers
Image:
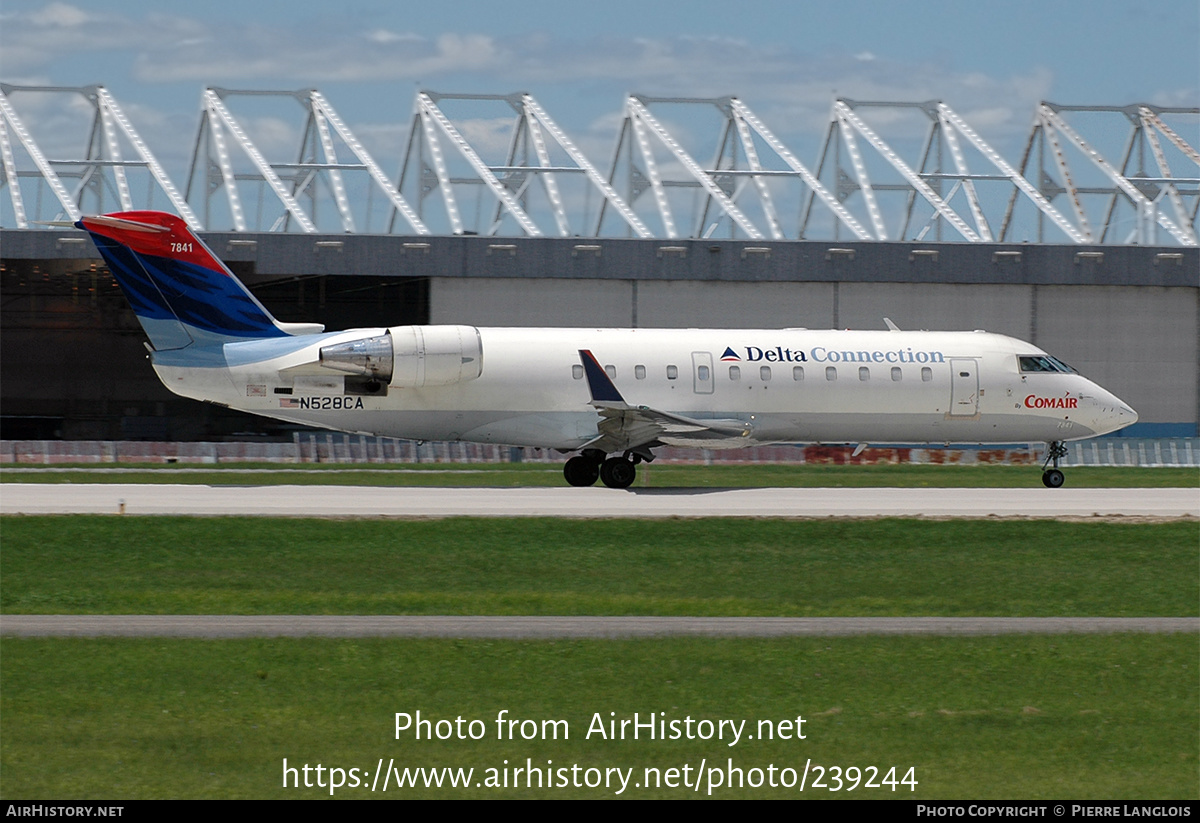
[{"x": 180, "y": 291}]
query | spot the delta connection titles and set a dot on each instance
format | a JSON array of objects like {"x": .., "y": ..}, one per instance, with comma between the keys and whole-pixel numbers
[{"x": 821, "y": 354}]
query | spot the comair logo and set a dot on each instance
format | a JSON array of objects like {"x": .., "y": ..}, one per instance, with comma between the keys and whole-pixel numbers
[{"x": 1034, "y": 402}]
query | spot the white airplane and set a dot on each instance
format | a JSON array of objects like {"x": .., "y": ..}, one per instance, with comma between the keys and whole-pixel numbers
[{"x": 613, "y": 395}]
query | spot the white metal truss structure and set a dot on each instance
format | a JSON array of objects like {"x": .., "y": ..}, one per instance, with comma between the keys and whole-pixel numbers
[
  {"x": 1087, "y": 174},
  {"x": 943, "y": 162},
  {"x": 1139, "y": 195},
  {"x": 222, "y": 141},
  {"x": 440, "y": 161},
  {"x": 749, "y": 164},
  {"x": 100, "y": 179}
]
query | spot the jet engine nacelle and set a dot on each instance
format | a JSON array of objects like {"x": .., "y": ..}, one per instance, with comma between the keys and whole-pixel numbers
[{"x": 411, "y": 357}]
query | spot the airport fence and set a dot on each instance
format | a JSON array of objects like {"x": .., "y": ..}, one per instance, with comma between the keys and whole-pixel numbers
[{"x": 328, "y": 447}]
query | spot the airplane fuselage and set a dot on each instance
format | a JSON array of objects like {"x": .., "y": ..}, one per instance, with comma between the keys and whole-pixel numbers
[
  {"x": 787, "y": 385},
  {"x": 612, "y": 394}
]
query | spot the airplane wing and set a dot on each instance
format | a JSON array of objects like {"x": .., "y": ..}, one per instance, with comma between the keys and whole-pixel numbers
[{"x": 624, "y": 426}]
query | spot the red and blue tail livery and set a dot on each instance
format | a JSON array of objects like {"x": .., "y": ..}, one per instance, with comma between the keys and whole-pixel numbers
[{"x": 181, "y": 292}]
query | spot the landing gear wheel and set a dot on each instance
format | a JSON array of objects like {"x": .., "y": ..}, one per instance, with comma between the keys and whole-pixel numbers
[
  {"x": 580, "y": 471},
  {"x": 618, "y": 473},
  {"x": 1052, "y": 478}
]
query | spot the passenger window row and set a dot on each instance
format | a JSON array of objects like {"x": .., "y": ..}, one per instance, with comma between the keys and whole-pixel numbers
[
  {"x": 764, "y": 373},
  {"x": 864, "y": 373},
  {"x": 639, "y": 372}
]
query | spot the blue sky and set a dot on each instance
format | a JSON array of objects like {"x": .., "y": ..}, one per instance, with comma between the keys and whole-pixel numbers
[
  {"x": 1091, "y": 50},
  {"x": 787, "y": 60},
  {"x": 583, "y": 56}
]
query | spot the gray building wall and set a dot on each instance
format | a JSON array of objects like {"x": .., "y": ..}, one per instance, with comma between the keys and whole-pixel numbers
[
  {"x": 1141, "y": 343},
  {"x": 528, "y": 301}
]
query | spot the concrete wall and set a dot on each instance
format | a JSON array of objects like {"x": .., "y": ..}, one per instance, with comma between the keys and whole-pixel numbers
[
  {"x": 1139, "y": 342},
  {"x": 530, "y": 302},
  {"x": 722, "y": 304},
  {"x": 937, "y": 307}
]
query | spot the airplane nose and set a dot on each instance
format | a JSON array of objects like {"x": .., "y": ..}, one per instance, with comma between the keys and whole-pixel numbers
[
  {"x": 1111, "y": 414},
  {"x": 1128, "y": 416},
  {"x": 1122, "y": 416}
]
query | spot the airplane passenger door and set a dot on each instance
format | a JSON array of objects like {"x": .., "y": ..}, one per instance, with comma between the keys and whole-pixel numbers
[
  {"x": 702, "y": 372},
  {"x": 964, "y": 388}
]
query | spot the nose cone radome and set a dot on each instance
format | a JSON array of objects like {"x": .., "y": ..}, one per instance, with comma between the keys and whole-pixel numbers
[{"x": 1111, "y": 414}]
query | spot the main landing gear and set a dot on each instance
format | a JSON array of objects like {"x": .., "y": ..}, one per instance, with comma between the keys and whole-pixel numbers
[
  {"x": 583, "y": 469},
  {"x": 1053, "y": 478},
  {"x": 615, "y": 472}
]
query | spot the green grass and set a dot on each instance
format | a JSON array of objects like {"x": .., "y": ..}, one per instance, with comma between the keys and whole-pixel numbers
[
  {"x": 649, "y": 476},
  {"x": 881, "y": 567},
  {"x": 1038, "y": 717},
  {"x": 1031, "y": 717}
]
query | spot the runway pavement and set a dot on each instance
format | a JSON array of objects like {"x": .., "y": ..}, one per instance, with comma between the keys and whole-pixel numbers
[
  {"x": 376, "y": 501},
  {"x": 233, "y": 626}
]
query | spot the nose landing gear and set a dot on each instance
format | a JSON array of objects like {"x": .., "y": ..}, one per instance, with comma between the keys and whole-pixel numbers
[{"x": 1053, "y": 478}]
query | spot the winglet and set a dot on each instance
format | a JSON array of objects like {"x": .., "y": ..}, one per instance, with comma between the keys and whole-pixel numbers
[{"x": 604, "y": 393}]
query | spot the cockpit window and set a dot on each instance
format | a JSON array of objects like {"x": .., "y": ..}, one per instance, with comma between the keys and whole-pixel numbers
[{"x": 1044, "y": 363}]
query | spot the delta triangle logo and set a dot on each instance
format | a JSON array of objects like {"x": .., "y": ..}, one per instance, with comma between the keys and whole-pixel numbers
[{"x": 729, "y": 355}]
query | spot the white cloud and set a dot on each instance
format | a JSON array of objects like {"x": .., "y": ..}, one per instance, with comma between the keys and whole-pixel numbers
[
  {"x": 383, "y": 36},
  {"x": 273, "y": 136},
  {"x": 59, "y": 14},
  {"x": 42, "y": 38},
  {"x": 490, "y": 138},
  {"x": 1184, "y": 98}
]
